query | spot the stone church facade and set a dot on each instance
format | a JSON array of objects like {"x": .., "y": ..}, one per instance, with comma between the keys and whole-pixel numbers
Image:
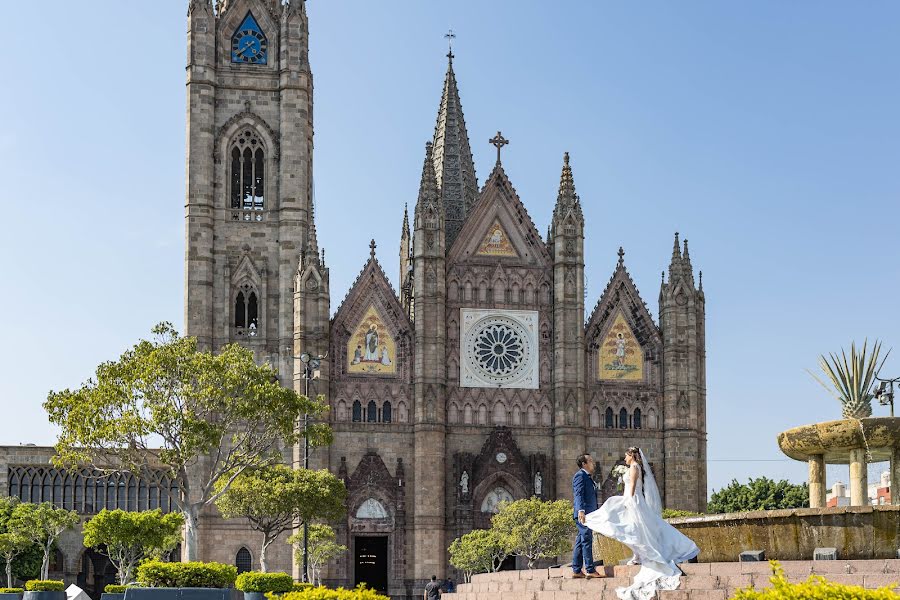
[{"x": 479, "y": 377}]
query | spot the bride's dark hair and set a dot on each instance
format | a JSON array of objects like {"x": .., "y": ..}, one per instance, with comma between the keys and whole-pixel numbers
[{"x": 635, "y": 453}]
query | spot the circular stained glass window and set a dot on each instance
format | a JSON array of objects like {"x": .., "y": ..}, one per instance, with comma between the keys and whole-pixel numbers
[{"x": 498, "y": 349}]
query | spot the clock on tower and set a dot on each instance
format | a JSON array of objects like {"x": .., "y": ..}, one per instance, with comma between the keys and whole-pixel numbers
[{"x": 249, "y": 44}]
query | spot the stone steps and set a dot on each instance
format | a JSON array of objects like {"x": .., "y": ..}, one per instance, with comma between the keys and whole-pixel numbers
[{"x": 702, "y": 581}]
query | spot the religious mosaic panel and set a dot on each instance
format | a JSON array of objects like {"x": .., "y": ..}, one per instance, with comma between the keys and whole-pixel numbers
[
  {"x": 371, "y": 349},
  {"x": 496, "y": 243},
  {"x": 499, "y": 348},
  {"x": 621, "y": 357}
]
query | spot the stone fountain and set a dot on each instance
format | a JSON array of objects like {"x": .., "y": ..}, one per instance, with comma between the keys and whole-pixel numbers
[{"x": 848, "y": 441}]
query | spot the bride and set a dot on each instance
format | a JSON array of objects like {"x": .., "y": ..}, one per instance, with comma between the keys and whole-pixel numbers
[{"x": 635, "y": 519}]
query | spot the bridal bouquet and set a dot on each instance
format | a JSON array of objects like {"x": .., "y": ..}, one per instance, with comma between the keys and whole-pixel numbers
[{"x": 619, "y": 473}]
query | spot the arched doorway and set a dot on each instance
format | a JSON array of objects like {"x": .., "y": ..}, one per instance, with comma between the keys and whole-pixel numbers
[{"x": 96, "y": 572}]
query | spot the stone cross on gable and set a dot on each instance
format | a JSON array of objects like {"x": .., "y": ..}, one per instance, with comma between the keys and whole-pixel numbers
[{"x": 498, "y": 141}]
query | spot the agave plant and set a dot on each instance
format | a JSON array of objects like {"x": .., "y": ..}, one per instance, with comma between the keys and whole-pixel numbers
[{"x": 852, "y": 380}]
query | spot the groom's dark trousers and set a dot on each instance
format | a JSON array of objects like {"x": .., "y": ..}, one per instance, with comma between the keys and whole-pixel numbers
[{"x": 584, "y": 496}]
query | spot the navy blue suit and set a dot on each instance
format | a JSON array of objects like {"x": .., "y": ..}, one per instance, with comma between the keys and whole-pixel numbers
[{"x": 584, "y": 496}]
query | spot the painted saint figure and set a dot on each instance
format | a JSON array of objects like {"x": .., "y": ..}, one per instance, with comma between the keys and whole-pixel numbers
[
  {"x": 372, "y": 344},
  {"x": 385, "y": 357},
  {"x": 357, "y": 355},
  {"x": 620, "y": 349}
]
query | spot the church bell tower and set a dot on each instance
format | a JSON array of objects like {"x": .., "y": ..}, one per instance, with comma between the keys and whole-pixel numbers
[{"x": 249, "y": 165}]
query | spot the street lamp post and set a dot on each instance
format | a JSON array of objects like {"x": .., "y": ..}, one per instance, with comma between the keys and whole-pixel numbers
[
  {"x": 311, "y": 366},
  {"x": 884, "y": 393}
]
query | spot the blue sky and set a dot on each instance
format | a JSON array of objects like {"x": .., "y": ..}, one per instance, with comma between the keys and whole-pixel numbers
[{"x": 767, "y": 133}]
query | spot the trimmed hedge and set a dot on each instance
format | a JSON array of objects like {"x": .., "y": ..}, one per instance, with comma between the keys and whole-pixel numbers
[
  {"x": 674, "y": 513},
  {"x": 12, "y": 590},
  {"x": 114, "y": 588},
  {"x": 155, "y": 573},
  {"x": 324, "y": 593},
  {"x": 45, "y": 585},
  {"x": 253, "y": 581},
  {"x": 815, "y": 588}
]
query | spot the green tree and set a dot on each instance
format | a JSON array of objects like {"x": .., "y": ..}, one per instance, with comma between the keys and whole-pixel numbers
[
  {"x": 42, "y": 524},
  {"x": 199, "y": 415},
  {"x": 323, "y": 547},
  {"x": 478, "y": 551},
  {"x": 19, "y": 563},
  {"x": 759, "y": 494},
  {"x": 273, "y": 498},
  {"x": 11, "y": 546},
  {"x": 534, "y": 529},
  {"x": 127, "y": 538}
]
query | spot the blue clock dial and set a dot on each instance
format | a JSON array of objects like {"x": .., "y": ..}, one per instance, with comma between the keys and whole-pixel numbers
[{"x": 249, "y": 44}]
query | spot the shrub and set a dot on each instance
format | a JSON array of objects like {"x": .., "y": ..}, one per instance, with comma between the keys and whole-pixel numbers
[
  {"x": 45, "y": 585},
  {"x": 299, "y": 586},
  {"x": 114, "y": 588},
  {"x": 815, "y": 588},
  {"x": 11, "y": 590},
  {"x": 323, "y": 593},
  {"x": 674, "y": 513},
  {"x": 264, "y": 582},
  {"x": 156, "y": 573}
]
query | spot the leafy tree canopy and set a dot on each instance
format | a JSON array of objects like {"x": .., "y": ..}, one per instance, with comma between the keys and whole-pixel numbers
[
  {"x": 272, "y": 498},
  {"x": 535, "y": 529},
  {"x": 42, "y": 524},
  {"x": 166, "y": 403},
  {"x": 759, "y": 494},
  {"x": 127, "y": 538},
  {"x": 478, "y": 551},
  {"x": 323, "y": 547}
]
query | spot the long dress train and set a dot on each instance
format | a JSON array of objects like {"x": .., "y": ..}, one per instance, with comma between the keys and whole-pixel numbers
[{"x": 634, "y": 521}]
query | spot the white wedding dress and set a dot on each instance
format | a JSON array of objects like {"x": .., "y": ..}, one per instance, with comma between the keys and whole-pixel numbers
[{"x": 635, "y": 519}]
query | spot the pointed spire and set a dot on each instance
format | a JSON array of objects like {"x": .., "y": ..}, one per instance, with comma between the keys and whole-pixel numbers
[
  {"x": 454, "y": 168},
  {"x": 566, "y": 183},
  {"x": 676, "y": 250},
  {"x": 686, "y": 256},
  {"x": 404, "y": 233},
  {"x": 701, "y": 281},
  {"x": 312, "y": 241},
  {"x": 428, "y": 187}
]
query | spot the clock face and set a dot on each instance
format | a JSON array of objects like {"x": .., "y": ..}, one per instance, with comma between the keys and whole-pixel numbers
[
  {"x": 501, "y": 457},
  {"x": 249, "y": 44}
]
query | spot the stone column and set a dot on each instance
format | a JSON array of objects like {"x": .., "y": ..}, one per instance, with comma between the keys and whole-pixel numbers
[
  {"x": 817, "y": 481},
  {"x": 895, "y": 476},
  {"x": 859, "y": 481}
]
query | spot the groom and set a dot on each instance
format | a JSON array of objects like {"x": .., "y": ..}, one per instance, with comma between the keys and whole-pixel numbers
[{"x": 584, "y": 496}]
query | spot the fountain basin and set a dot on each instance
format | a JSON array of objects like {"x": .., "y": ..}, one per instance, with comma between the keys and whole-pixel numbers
[
  {"x": 835, "y": 439},
  {"x": 858, "y": 532}
]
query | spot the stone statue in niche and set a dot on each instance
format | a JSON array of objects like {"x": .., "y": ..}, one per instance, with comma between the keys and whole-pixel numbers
[
  {"x": 464, "y": 483},
  {"x": 538, "y": 484}
]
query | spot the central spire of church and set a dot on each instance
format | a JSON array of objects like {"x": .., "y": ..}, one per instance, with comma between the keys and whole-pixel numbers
[{"x": 454, "y": 168}]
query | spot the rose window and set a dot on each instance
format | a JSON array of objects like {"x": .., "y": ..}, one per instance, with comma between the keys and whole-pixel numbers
[{"x": 498, "y": 349}]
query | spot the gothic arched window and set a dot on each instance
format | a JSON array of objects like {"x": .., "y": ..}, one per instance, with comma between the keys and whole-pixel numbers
[
  {"x": 246, "y": 310},
  {"x": 609, "y": 418},
  {"x": 357, "y": 411},
  {"x": 386, "y": 412},
  {"x": 371, "y": 412},
  {"x": 636, "y": 419},
  {"x": 248, "y": 172},
  {"x": 243, "y": 561},
  {"x": 623, "y": 419}
]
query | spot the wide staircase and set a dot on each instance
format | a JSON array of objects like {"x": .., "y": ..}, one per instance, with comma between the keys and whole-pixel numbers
[{"x": 702, "y": 581}]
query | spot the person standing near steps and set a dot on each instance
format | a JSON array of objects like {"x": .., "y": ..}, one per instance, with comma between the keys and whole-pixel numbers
[{"x": 584, "y": 497}]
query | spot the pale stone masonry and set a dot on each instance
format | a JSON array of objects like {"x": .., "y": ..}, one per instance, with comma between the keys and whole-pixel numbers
[{"x": 478, "y": 380}]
